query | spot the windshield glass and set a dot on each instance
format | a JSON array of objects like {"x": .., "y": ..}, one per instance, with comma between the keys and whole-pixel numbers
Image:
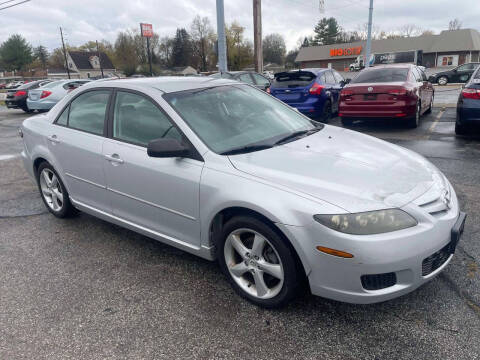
[
  {"x": 230, "y": 117},
  {"x": 381, "y": 75},
  {"x": 52, "y": 84}
]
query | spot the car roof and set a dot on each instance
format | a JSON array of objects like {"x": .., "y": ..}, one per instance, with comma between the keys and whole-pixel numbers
[
  {"x": 166, "y": 84},
  {"x": 386, "y": 66}
]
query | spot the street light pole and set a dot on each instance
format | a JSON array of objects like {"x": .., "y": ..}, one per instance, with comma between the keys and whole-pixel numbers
[
  {"x": 222, "y": 42},
  {"x": 64, "y": 53},
  {"x": 369, "y": 36},
  {"x": 257, "y": 35}
]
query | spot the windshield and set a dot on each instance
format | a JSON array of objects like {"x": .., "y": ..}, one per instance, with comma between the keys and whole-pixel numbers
[
  {"x": 381, "y": 75},
  {"x": 230, "y": 117}
]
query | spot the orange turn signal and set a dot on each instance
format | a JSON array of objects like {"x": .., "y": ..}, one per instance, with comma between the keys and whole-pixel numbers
[{"x": 334, "y": 252}]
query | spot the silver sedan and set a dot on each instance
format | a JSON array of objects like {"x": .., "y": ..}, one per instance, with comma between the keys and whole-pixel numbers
[
  {"x": 45, "y": 97},
  {"x": 225, "y": 171}
]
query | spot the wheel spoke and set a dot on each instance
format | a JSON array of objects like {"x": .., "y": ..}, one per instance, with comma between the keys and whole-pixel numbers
[
  {"x": 273, "y": 269},
  {"x": 54, "y": 181},
  {"x": 258, "y": 245},
  {"x": 54, "y": 201},
  {"x": 238, "y": 246},
  {"x": 262, "y": 288},
  {"x": 239, "y": 269},
  {"x": 58, "y": 195},
  {"x": 46, "y": 178},
  {"x": 46, "y": 192}
]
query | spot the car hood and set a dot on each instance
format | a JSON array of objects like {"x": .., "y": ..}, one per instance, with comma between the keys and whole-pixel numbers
[{"x": 345, "y": 168}]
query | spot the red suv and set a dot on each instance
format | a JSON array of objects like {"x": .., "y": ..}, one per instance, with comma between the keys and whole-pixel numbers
[{"x": 387, "y": 91}]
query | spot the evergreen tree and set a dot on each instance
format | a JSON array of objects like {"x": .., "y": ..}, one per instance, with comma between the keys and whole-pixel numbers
[
  {"x": 182, "y": 49},
  {"x": 41, "y": 54},
  {"x": 326, "y": 31},
  {"x": 15, "y": 53}
]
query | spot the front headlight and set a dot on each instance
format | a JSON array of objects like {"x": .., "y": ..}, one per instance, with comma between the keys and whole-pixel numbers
[{"x": 368, "y": 223}]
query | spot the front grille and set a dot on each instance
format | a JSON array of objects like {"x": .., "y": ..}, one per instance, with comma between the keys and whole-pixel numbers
[
  {"x": 434, "y": 261},
  {"x": 378, "y": 281}
]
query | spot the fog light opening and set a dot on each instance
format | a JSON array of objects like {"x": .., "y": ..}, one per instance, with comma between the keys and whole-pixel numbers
[{"x": 334, "y": 252}]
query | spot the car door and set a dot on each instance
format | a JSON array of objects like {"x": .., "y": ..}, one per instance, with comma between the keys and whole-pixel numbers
[
  {"x": 333, "y": 88},
  {"x": 261, "y": 82},
  {"x": 463, "y": 73},
  {"x": 76, "y": 140},
  {"x": 420, "y": 87},
  {"x": 427, "y": 88},
  {"x": 339, "y": 84},
  {"x": 160, "y": 194}
]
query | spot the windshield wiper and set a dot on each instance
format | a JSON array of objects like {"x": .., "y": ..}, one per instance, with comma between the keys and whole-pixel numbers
[
  {"x": 247, "y": 149},
  {"x": 297, "y": 134}
]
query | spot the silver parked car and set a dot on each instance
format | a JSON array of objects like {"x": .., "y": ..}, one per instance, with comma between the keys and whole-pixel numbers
[
  {"x": 225, "y": 171},
  {"x": 45, "y": 97}
]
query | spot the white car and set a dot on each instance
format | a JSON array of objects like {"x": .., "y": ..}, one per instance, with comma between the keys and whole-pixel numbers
[{"x": 225, "y": 171}]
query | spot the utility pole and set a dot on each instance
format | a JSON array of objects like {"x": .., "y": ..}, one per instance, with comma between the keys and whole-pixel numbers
[
  {"x": 257, "y": 35},
  {"x": 222, "y": 41},
  {"x": 99, "y": 59},
  {"x": 64, "y": 53},
  {"x": 369, "y": 36}
]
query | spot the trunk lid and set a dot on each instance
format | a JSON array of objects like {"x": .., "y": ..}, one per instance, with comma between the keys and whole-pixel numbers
[
  {"x": 292, "y": 86},
  {"x": 380, "y": 93}
]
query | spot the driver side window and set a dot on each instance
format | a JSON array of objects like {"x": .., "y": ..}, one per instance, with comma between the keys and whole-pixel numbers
[{"x": 137, "y": 120}]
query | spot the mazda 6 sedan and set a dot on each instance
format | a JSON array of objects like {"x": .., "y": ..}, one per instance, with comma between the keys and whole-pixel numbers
[{"x": 225, "y": 171}]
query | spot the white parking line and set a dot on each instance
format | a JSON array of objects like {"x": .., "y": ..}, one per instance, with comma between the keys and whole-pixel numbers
[
  {"x": 434, "y": 124},
  {"x": 8, "y": 156}
]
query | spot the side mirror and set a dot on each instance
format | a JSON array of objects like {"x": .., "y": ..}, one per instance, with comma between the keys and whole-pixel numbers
[
  {"x": 347, "y": 81},
  {"x": 167, "y": 148}
]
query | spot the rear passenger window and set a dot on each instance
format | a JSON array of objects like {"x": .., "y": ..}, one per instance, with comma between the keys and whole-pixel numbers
[
  {"x": 338, "y": 77},
  {"x": 87, "y": 111},
  {"x": 329, "y": 77},
  {"x": 137, "y": 120},
  {"x": 63, "y": 118},
  {"x": 246, "y": 79}
]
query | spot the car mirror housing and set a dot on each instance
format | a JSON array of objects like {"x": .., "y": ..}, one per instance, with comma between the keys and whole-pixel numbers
[{"x": 167, "y": 148}]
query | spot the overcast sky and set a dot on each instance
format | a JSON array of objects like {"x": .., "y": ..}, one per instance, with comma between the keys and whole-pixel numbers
[{"x": 38, "y": 20}]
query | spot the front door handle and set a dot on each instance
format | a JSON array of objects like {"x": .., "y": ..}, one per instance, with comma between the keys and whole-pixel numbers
[
  {"x": 114, "y": 158},
  {"x": 53, "y": 139}
]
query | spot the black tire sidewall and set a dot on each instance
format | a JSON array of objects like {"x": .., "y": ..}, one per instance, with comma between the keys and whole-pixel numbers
[
  {"x": 284, "y": 250},
  {"x": 67, "y": 208}
]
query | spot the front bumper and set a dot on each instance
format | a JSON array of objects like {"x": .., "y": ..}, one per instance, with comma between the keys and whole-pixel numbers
[{"x": 404, "y": 253}]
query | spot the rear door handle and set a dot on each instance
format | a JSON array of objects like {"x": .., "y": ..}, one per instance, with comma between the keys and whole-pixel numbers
[
  {"x": 53, "y": 139},
  {"x": 114, "y": 158}
]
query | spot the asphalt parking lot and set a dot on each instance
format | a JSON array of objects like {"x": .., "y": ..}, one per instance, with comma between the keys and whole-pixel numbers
[{"x": 84, "y": 288}]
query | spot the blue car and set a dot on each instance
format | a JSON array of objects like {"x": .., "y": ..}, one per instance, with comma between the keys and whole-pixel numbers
[
  {"x": 313, "y": 92},
  {"x": 468, "y": 105}
]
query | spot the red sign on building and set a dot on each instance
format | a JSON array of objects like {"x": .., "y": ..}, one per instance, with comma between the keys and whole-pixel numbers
[
  {"x": 346, "y": 52},
  {"x": 147, "y": 30}
]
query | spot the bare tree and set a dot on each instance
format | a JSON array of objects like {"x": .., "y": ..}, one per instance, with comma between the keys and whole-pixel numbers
[
  {"x": 362, "y": 32},
  {"x": 409, "y": 30},
  {"x": 427, "y": 32},
  {"x": 202, "y": 39},
  {"x": 454, "y": 24}
]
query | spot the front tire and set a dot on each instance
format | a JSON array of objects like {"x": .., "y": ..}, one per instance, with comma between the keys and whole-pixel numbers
[
  {"x": 442, "y": 80},
  {"x": 53, "y": 192},
  {"x": 258, "y": 262}
]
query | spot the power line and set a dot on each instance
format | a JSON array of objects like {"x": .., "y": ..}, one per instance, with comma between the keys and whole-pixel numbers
[{"x": 9, "y": 6}]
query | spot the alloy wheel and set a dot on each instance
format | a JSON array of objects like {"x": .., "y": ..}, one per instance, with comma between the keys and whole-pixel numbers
[
  {"x": 442, "y": 80},
  {"x": 51, "y": 189},
  {"x": 254, "y": 263}
]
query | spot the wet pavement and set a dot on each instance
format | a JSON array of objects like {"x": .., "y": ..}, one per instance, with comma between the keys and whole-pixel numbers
[{"x": 83, "y": 288}]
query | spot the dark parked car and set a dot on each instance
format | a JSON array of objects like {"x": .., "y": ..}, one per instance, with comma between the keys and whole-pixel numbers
[
  {"x": 468, "y": 105},
  {"x": 461, "y": 74},
  {"x": 313, "y": 92},
  {"x": 387, "y": 92},
  {"x": 249, "y": 77},
  {"x": 17, "y": 98}
]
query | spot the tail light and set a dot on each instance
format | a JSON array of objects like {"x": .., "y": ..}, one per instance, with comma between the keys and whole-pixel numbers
[
  {"x": 346, "y": 93},
  {"x": 20, "y": 93},
  {"x": 45, "y": 93},
  {"x": 471, "y": 94},
  {"x": 398, "y": 92},
  {"x": 316, "y": 89}
]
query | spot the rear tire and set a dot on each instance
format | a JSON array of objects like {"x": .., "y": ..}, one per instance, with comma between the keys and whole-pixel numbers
[
  {"x": 413, "y": 122},
  {"x": 53, "y": 192},
  {"x": 347, "y": 122},
  {"x": 327, "y": 112},
  {"x": 461, "y": 129},
  {"x": 27, "y": 110},
  {"x": 245, "y": 264}
]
